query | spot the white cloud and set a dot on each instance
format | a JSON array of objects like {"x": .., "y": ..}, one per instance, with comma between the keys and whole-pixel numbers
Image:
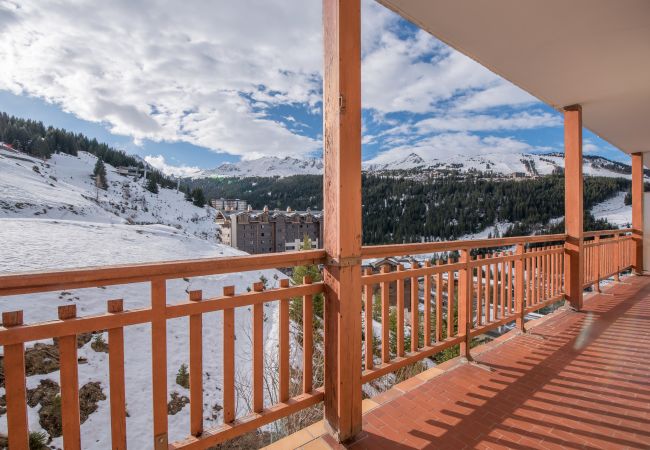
[
  {"x": 180, "y": 71},
  {"x": 178, "y": 171},
  {"x": 501, "y": 94},
  {"x": 209, "y": 73},
  {"x": 484, "y": 122}
]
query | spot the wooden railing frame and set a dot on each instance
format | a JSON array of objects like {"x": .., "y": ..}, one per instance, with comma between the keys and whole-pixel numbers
[{"x": 481, "y": 279}]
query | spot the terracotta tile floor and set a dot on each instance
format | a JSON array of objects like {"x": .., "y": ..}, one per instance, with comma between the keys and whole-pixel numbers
[{"x": 581, "y": 380}]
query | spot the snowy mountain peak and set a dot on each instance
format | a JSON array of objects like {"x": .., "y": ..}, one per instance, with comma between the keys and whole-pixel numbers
[{"x": 268, "y": 166}]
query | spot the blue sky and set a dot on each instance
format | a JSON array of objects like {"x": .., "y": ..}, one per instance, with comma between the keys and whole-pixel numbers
[{"x": 192, "y": 85}]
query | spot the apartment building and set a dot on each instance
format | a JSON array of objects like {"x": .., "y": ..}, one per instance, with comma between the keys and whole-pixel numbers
[
  {"x": 255, "y": 231},
  {"x": 229, "y": 204}
]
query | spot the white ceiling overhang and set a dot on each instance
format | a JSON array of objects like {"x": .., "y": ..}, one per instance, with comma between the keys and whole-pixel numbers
[{"x": 595, "y": 53}]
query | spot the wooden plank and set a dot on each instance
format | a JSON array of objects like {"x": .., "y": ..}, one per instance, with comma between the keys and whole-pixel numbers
[
  {"x": 495, "y": 291},
  {"x": 439, "y": 304},
  {"x": 307, "y": 340},
  {"x": 427, "y": 307},
  {"x": 159, "y": 362},
  {"x": 116, "y": 381},
  {"x": 69, "y": 379},
  {"x": 464, "y": 308},
  {"x": 617, "y": 256},
  {"x": 479, "y": 293},
  {"x": 519, "y": 287},
  {"x": 508, "y": 287},
  {"x": 258, "y": 351},
  {"x": 502, "y": 290},
  {"x": 487, "y": 289},
  {"x": 451, "y": 282},
  {"x": 415, "y": 311},
  {"x": 385, "y": 318},
  {"x": 573, "y": 206},
  {"x": 30, "y": 282},
  {"x": 15, "y": 389},
  {"x": 196, "y": 368},
  {"x": 637, "y": 212},
  {"x": 400, "y": 312},
  {"x": 283, "y": 338},
  {"x": 228, "y": 359},
  {"x": 368, "y": 291},
  {"x": 382, "y": 251}
]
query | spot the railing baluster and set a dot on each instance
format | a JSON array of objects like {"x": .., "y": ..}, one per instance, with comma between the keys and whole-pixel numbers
[
  {"x": 196, "y": 368},
  {"x": 258, "y": 351},
  {"x": 159, "y": 362},
  {"x": 15, "y": 389},
  {"x": 464, "y": 303},
  {"x": 368, "y": 290},
  {"x": 479, "y": 292},
  {"x": 415, "y": 310},
  {"x": 502, "y": 299},
  {"x": 495, "y": 287},
  {"x": 400, "y": 313},
  {"x": 229, "y": 359},
  {"x": 519, "y": 287},
  {"x": 427, "y": 307},
  {"x": 307, "y": 339},
  {"x": 439, "y": 302},
  {"x": 450, "y": 301},
  {"x": 487, "y": 289},
  {"x": 385, "y": 317},
  {"x": 116, "y": 379},
  {"x": 509, "y": 283},
  {"x": 617, "y": 255},
  {"x": 70, "y": 417},
  {"x": 284, "y": 344}
]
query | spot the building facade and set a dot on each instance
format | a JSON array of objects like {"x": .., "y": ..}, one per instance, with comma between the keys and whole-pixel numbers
[
  {"x": 229, "y": 204},
  {"x": 269, "y": 231}
]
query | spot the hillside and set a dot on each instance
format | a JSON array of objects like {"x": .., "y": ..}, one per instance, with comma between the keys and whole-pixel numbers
[
  {"x": 53, "y": 217},
  {"x": 422, "y": 165},
  {"x": 399, "y": 209}
]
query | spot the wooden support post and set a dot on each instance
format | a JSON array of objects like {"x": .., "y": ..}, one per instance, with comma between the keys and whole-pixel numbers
[
  {"x": 399, "y": 304},
  {"x": 573, "y": 206},
  {"x": 464, "y": 307},
  {"x": 70, "y": 416},
  {"x": 116, "y": 379},
  {"x": 519, "y": 287},
  {"x": 385, "y": 318},
  {"x": 159, "y": 362},
  {"x": 196, "y": 368},
  {"x": 342, "y": 211},
  {"x": 427, "y": 307},
  {"x": 637, "y": 212},
  {"x": 15, "y": 388},
  {"x": 415, "y": 310}
]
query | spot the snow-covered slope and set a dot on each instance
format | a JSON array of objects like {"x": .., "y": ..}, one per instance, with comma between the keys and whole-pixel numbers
[
  {"x": 269, "y": 166},
  {"x": 62, "y": 188},
  {"x": 52, "y": 218},
  {"x": 505, "y": 164}
]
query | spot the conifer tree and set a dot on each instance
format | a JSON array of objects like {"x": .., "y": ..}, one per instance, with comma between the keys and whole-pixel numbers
[{"x": 100, "y": 174}]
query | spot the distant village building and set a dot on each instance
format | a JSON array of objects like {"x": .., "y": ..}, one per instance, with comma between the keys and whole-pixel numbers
[
  {"x": 269, "y": 231},
  {"x": 230, "y": 204},
  {"x": 129, "y": 171}
]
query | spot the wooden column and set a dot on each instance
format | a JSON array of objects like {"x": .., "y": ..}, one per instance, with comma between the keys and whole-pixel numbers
[
  {"x": 637, "y": 212},
  {"x": 465, "y": 281},
  {"x": 342, "y": 211},
  {"x": 573, "y": 206}
]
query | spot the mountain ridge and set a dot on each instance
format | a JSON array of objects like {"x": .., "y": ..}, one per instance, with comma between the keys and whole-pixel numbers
[{"x": 416, "y": 164}]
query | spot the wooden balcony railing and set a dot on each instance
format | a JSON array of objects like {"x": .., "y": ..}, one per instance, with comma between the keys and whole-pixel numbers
[{"x": 488, "y": 286}]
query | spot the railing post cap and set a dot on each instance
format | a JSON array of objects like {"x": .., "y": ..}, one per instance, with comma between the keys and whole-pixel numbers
[
  {"x": 228, "y": 291},
  {"x": 196, "y": 296},
  {"x": 67, "y": 312},
  {"x": 284, "y": 283},
  {"x": 12, "y": 318},
  {"x": 115, "y": 306}
]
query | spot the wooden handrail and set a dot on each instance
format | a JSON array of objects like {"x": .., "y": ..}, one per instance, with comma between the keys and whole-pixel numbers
[
  {"x": 43, "y": 281},
  {"x": 382, "y": 251}
]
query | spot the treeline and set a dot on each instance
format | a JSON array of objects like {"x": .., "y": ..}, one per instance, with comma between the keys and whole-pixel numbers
[
  {"x": 399, "y": 210},
  {"x": 32, "y": 137}
]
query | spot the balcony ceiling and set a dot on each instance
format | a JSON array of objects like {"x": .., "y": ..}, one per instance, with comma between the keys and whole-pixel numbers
[{"x": 592, "y": 52}]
